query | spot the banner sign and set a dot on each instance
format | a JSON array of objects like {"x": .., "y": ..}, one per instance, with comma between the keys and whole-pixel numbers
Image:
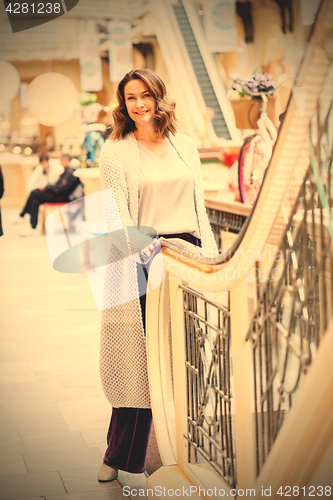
[
  {"x": 220, "y": 25},
  {"x": 120, "y": 50},
  {"x": 90, "y": 63}
]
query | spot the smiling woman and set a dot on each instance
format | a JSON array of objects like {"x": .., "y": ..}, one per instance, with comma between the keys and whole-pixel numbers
[
  {"x": 142, "y": 91},
  {"x": 151, "y": 178}
]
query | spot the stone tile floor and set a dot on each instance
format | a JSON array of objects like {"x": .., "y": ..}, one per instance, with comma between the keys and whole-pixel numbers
[{"x": 53, "y": 414}]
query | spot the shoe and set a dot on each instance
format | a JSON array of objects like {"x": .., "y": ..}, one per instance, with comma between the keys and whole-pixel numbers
[{"x": 107, "y": 473}]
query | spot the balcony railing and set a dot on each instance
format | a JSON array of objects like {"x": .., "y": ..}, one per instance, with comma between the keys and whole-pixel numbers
[
  {"x": 239, "y": 366},
  {"x": 210, "y": 433},
  {"x": 226, "y": 219},
  {"x": 295, "y": 304}
]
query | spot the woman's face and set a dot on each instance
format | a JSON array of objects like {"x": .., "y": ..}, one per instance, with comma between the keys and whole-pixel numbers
[{"x": 140, "y": 104}]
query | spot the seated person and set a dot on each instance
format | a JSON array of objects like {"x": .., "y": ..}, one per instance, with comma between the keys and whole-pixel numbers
[
  {"x": 52, "y": 193},
  {"x": 47, "y": 172}
]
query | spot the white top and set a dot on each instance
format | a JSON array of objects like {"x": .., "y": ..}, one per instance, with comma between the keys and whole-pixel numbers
[
  {"x": 40, "y": 179},
  {"x": 166, "y": 193}
]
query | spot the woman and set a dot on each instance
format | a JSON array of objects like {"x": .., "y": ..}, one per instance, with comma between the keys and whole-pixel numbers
[{"x": 153, "y": 177}]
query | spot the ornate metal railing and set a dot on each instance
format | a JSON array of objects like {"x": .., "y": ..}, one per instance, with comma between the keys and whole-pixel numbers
[
  {"x": 226, "y": 218},
  {"x": 241, "y": 350},
  {"x": 296, "y": 303},
  {"x": 224, "y": 221},
  {"x": 210, "y": 433}
]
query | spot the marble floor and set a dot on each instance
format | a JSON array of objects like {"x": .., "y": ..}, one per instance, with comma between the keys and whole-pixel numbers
[{"x": 53, "y": 414}]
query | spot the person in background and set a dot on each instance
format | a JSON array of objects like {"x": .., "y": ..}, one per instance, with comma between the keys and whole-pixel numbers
[
  {"x": 58, "y": 192},
  {"x": 1, "y": 194},
  {"x": 47, "y": 172}
]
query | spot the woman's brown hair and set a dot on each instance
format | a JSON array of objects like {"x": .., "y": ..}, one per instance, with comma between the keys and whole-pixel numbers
[{"x": 165, "y": 118}]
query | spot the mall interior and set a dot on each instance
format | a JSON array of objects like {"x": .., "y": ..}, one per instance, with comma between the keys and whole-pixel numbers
[{"x": 238, "y": 344}]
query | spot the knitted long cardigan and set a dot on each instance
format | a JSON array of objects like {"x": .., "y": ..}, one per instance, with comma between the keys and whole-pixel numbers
[{"x": 123, "y": 361}]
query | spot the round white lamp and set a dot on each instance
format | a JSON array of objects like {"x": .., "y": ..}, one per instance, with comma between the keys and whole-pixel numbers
[
  {"x": 52, "y": 98},
  {"x": 9, "y": 83}
]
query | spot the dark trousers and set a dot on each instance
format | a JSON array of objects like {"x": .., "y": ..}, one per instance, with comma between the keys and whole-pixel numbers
[
  {"x": 36, "y": 198},
  {"x": 129, "y": 429},
  {"x": 128, "y": 438}
]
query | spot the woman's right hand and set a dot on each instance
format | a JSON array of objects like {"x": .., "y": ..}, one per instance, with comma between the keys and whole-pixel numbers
[{"x": 146, "y": 253}]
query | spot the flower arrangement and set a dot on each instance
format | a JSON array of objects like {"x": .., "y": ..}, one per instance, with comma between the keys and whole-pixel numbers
[
  {"x": 255, "y": 83},
  {"x": 86, "y": 98},
  {"x": 247, "y": 93}
]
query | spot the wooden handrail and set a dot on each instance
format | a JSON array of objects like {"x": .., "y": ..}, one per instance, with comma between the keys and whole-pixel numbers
[{"x": 188, "y": 260}]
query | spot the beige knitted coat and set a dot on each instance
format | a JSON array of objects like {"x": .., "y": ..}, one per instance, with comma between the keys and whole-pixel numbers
[{"x": 123, "y": 362}]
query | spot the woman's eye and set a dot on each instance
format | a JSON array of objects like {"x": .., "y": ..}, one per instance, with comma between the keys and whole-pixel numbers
[{"x": 147, "y": 95}]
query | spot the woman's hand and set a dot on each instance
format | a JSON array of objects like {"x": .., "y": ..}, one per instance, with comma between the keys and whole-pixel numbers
[{"x": 147, "y": 252}]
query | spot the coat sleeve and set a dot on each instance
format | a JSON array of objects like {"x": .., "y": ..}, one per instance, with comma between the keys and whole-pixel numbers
[{"x": 115, "y": 198}]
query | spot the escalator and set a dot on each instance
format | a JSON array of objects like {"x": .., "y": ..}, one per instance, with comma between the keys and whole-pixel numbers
[{"x": 200, "y": 70}]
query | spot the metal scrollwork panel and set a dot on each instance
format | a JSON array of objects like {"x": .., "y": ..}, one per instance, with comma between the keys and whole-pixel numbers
[
  {"x": 210, "y": 433},
  {"x": 224, "y": 221},
  {"x": 296, "y": 303}
]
